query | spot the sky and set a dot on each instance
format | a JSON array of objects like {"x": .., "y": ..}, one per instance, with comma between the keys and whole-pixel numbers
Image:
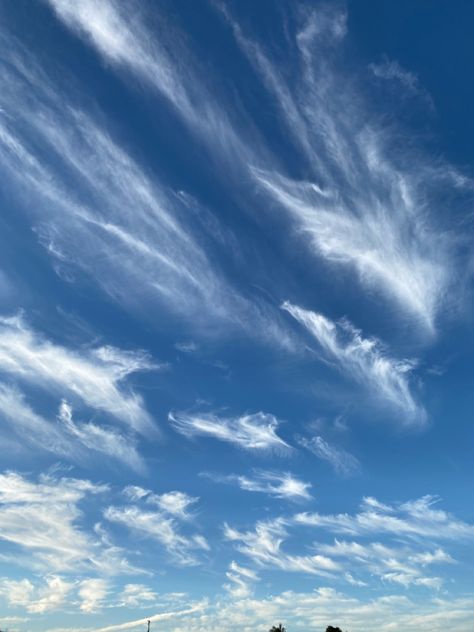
[{"x": 236, "y": 331}]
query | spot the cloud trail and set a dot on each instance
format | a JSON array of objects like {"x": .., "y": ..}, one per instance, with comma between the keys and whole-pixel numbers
[
  {"x": 363, "y": 360},
  {"x": 263, "y": 546},
  {"x": 162, "y": 525},
  {"x": 98, "y": 211},
  {"x": 342, "y": 461},
  {"x": 363, "y": 206},
  {"x": 282, "y": 485},
  {"x": 250, "y": 432},
  {"x": 95, "y": 376},
  {"x": 42, "y": 519}
]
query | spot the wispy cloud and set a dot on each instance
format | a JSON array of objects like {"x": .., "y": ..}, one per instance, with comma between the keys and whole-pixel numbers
[
  {"x": 363, "y": 359},
  {"x": 396, "y": 563},
  {"x": 312, "y": 610},
  {"x": 195, "y": 608},
  {"x": 161, "y": 525},
  {"x": 101, "y": 439},
  {"x": 136, "y": 595},
  {"x": 242, "y": 581},
  {"x": 278, "y": 484},
  {"x": 31, "y": 428},
  {"x": 363, "y": 206},
  {"x": 95, "y": 376},
  {"x": 99, "y": 212},
  {"x": 174, "y": 503},
  {"x": 129, "y": 45},
  {"x": 407, "y": 553},
  {"x": 342, "y": 461},
  {"x": 412, "y": 519},
  {"x": 251, "y": 432},
  {"x": 42, "y": 520},
  {"x": 263, "y": 546},
  {"x": 359, "y": 207},
  {"x": 390, "y": 70},
  {"x": 64, "y": 437}
]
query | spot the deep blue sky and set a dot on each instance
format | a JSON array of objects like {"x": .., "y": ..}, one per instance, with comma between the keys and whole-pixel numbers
[{"x": 236, "y": 335}]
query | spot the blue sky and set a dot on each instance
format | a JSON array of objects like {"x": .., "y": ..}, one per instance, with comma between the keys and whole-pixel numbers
[{"x": 236, "y": 327}]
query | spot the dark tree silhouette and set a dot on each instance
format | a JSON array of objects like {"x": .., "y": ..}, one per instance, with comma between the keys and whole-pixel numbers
[
  {"x": 278, "y": 628},
  {"x": 330, "y": 628}
]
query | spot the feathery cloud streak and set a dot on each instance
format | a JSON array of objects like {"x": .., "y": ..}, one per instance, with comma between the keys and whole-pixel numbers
[
  {"x": 250, "y": 432},
  {"x": 127, "y": 43},
  {"x": 412, "y": 519},
  {"x": 278, "y": 484},
  {"x": 342, "y": 461},
  {"x": 161, "y": 525},
  {"x": 362, "y": 359},
  {"x": 410, "y": 533},
  {"x": 43, "y": 519},
  {"x": 98, "y": 211},
  {"x": 263, "y": 546},
  {"x": 101, "y": 439},
  {"x": 95, "y": 376},
  {"x": 359, "y": 208}
]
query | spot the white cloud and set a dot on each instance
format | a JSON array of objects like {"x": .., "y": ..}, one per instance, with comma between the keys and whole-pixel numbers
[
  {"x": 314, "y": 610},
  {"x": 350, "y": 579},
  {"x": 391, "y": 71},
  {"x": 92, "y": 592},
  {"x": 278, "y": 484},
  {"x": 251, "y": 432},
  {"x": 137, "y": 240},
  {"x": 36, "y": 599},
  {"x": 42, "y": 520},
  {"x": 161, "y": 526},
  {"x": 342, "y": 461},
  {"x": 242, "y": 580},
  {"x": 363, "y": 206},
  {"x": 95, "y": 376},
  {"x": 263, "y": 546},
  {"x": 396, "y": 563},
  {"x": 408, "y": 555},
  {"x": 102, "y": 439},
  {"x": 411, "y": 520},
  {"x": 121, "y": 37},
  {"x": 174, "y": 503},
  {"x": 32, "y": 428},
  {"x": 362, "y": 359},
  {"x": 136, "y": 595},
  {"x": 187, "y": 347},
  {"x": 194, "y": 608}
]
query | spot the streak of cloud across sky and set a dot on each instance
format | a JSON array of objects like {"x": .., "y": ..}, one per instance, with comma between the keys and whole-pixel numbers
[{"x": 236, "y": 330}]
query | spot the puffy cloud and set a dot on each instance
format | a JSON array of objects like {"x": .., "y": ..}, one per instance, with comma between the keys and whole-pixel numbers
[
  {"x": 36, "y": 599},
  {"x": 92, "y": 592}
]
